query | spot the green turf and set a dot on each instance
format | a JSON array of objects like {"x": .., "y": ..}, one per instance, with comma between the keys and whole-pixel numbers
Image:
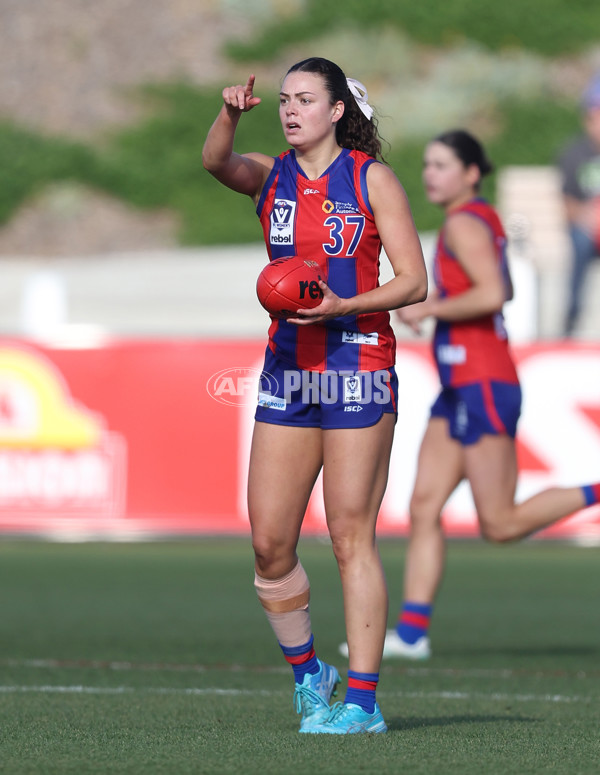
[{"x": 156, "y": 658}]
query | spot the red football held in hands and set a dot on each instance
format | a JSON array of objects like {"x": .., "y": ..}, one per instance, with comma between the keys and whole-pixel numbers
[{"x": 288, "y": 284}]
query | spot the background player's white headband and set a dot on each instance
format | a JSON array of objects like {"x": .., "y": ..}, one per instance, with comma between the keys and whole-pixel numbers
[{"x": 360, "y": 94}]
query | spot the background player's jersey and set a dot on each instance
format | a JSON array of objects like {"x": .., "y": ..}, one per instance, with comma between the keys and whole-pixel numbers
[
  {"x": 328, "y": 220},
  {"x": 472, "y": 350}
]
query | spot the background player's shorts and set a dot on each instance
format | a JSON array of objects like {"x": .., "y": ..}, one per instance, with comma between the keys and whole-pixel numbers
[
  {"x": 311, "y": 399},
  {"x": 482, "y": 407}
]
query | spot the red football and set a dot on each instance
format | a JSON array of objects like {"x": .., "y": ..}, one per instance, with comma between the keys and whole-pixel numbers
[{"x": 288, "y": 284}]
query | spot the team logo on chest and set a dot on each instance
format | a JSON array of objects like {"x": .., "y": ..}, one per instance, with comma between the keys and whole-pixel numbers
[{"x": 282, "y": 222}]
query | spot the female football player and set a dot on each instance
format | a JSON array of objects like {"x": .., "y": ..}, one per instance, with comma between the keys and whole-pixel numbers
[
  {"x": 330, "y": 199},
  {"x": 471, "y": 431}
]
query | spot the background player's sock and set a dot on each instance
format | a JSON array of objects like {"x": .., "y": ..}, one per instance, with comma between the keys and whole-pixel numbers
[
  {"x": 361, "y": 690},
  {"x": 413, "y": 621},
  {"x": 302, "y": 659},
  {"x": 591, "y": 493}
]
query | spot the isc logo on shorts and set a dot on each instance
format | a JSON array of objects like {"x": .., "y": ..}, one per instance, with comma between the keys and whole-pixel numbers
[{"x": 282, "y": 222}]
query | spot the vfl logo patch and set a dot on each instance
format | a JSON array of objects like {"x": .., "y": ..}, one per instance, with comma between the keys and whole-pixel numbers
[
  {"x": 282, "y": 222},
  {"x": 352, "y": 390}
]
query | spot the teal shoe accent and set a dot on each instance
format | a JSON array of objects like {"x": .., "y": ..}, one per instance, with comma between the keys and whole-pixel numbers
[
  {"x": 312, "y": 696},
  {"x": 350, "y": 719}
]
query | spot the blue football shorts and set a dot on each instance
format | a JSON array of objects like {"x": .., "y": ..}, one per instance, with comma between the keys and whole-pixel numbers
[
  {"x": 478, "y": 408},
  {"x": 327, "y": 400}
]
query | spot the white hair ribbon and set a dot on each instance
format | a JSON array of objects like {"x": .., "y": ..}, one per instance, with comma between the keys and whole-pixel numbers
[{"x": 360, "y": 94}]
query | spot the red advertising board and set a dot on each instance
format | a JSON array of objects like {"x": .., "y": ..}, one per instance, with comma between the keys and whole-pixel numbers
[{"x": 151, "y": 437}]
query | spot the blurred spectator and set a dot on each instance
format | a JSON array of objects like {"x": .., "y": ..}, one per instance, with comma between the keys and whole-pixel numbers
[{"x": 579, "y": 164}]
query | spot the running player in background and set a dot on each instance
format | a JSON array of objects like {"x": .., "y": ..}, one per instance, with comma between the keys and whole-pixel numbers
[
  {"x": 330, "y": 200},
  {"x": 471, "y": 430}
]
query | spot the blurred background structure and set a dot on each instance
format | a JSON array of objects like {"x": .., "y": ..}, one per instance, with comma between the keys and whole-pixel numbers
[
  {"x": 107, "y": 220},
  {"x": 130, "y": 334}
]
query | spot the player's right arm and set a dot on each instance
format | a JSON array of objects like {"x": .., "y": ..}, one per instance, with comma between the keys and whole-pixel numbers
[{"x": 245, "y": 173}]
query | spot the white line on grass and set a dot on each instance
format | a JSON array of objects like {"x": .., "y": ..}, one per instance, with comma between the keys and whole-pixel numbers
[
  {"x": 496, "y": 696},
  {"x": 215, "y": 692},
  {"x": 84, "y": 664}
]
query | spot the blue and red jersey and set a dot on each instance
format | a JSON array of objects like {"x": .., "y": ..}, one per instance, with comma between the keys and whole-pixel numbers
[
  {"x": 470, "y": 351},
  {"x": 328, "y": 220}
]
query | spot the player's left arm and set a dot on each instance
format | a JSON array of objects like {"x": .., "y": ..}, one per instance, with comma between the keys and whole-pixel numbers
[
  {"x": 471, "y": 241},
  {"x": 400, "y": 241}
]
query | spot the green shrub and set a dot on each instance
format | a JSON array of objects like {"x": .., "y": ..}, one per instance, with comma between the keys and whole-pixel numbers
[
  {"x": 157, "y": 163},
  {"x": 29, "y": 161},
  {"x": 549, "y": 27}
]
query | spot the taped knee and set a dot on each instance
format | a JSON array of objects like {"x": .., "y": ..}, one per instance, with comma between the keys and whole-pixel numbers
[{"x": 284, "y": 595}]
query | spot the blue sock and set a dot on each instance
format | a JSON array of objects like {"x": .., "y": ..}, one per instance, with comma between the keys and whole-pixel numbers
[
  {"x": 591, "y": 493},
  {"x": 302, "y": 659},
  {"x": 361, "y": 690},
  {"x": 413, "y": 621}
]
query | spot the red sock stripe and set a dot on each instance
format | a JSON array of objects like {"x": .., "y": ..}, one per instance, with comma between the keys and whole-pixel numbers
[
  {"x": 356, "y": 683},
  {"x": 596, "y": 491},
  {"x": 299, "y": 659},
  {"x": 417, "y": 620}
]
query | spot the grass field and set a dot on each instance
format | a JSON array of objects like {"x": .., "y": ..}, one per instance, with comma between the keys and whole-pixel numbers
[{"x": 156, "y": 658}]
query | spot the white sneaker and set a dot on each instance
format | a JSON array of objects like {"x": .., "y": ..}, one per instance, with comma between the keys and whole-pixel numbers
[{"x": 394, "y": 646}]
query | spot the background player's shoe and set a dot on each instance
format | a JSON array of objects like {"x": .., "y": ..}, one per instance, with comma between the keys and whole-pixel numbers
[
  {"x": 396, "y": 647},
  {"x": 350, "y": 719},
  {"x": 311, "y": 697}
]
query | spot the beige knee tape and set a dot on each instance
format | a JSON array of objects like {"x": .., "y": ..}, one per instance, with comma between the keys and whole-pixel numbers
[
  {"x": 288, "y": 593},
  {"x": 285, "y": 601}
]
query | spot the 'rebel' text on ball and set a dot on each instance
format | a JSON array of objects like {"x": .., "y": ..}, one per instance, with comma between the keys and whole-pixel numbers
[{"x": 289, "y": 284}]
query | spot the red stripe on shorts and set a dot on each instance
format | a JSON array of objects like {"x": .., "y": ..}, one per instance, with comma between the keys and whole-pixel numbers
[{"x": 490, "y": 406}]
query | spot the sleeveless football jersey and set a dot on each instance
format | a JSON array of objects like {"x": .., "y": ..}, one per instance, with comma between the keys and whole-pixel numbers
[
  {"x": 328, "y": 220},
  {"x": 471, "y": 350}
]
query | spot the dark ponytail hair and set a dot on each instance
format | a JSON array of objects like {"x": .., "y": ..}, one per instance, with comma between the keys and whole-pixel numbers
[
  {"x": 354, "y": 130},
  {"x": 467, "y": 148}
]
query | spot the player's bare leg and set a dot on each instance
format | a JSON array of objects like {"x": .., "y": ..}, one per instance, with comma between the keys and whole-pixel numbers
[
  {"x": 491, "y": 467},
  {"x": 353, "y": 495},
  {"x": 284, "y": 464},
  {"x": 439, "y": 471}
]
